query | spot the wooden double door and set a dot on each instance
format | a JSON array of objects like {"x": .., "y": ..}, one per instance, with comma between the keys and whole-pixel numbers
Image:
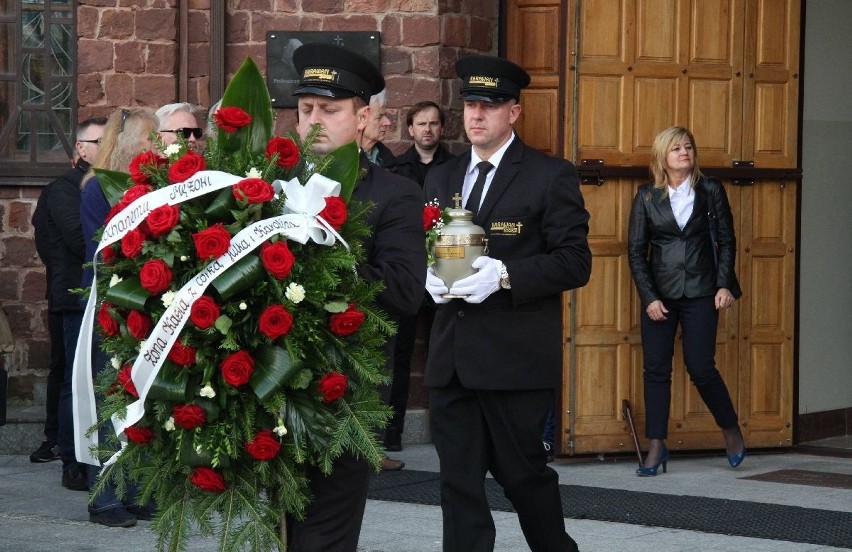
[{"x": 607, "y": 76}]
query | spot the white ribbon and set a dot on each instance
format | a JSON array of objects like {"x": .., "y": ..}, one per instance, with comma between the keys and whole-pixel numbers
[{"x": 299, "y": 223}]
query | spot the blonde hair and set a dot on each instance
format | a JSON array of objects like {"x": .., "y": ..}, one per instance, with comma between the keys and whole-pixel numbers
[
  {"x": 125, "y": 136},
  {"x": 663, "y": 144}
]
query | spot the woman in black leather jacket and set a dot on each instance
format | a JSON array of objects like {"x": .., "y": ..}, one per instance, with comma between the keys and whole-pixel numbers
[{"x": 681, "y": 281}]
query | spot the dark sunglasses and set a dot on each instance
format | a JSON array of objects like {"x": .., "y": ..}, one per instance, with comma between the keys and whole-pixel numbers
[
  {"x": 186, "y": 132},
  {"x": 98, "y": 141}
]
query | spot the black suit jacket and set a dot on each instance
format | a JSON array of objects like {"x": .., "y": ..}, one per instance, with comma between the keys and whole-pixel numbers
[
  {"x": 396, "y": 254},
  {"x": 670, "y": 263},
  {"x": 537, "y": 224}
]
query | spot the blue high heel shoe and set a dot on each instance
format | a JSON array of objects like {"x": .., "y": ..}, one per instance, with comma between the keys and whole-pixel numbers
[
  {"x": 737, "y": 458},
  {"x": 652, "y": 470}
]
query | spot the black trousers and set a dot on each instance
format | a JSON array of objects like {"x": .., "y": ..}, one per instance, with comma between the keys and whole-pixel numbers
[
  {"x": 56, "y": 375},
  {"x": 698, "y": 318},
  {"x": 403, "y": 350},
  {"x": 333, "y": 519},
  {"x": 477, "y": 431}
]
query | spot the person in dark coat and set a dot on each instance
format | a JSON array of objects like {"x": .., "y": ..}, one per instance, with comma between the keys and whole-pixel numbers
[
  {"x": 682, "y": 280},
  {"x": 426, "y": 126},
  {"x": 396, "y": 256},
  {"x": 372, "y": 134},
  {"x": 59, "y": 242},
  {"x": 495, "y": 356}
]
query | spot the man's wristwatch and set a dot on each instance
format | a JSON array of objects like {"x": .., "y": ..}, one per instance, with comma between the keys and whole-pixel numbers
[{"x": 504, "y": 277}]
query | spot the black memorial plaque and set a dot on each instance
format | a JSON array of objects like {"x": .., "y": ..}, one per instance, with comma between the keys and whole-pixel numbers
[{"x": 281, "y": 76}]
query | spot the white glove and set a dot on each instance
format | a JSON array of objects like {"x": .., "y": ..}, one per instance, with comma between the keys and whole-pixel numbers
[
  {"x": 479, "y": 286},
  {"x": 436, "y": 287}
]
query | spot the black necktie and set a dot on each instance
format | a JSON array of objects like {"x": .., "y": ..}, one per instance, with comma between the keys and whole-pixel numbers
[{"x": 475, "y": 196}]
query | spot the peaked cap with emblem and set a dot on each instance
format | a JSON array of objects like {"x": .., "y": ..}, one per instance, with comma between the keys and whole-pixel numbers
[
  {"x": 490, "y": 79},
  {"x": 335, "y": 72}
]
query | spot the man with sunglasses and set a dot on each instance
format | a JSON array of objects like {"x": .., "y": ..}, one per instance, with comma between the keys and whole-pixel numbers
[{"x": 176, "y": 120}]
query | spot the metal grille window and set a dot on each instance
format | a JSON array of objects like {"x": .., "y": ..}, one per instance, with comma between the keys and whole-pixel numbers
[{"x": 37, "y": 92}]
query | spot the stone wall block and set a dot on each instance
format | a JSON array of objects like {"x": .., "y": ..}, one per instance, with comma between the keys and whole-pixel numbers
[
  {"x": 94, "y": 56},
  {"x": 154, "y": 90},
  {"x": 447, "y": 63},
  {"x": 116, "y": 24},
  {"x": 391, "y": 30},
  {"x": 130, "y": 57},
  {"x": 21, "y": 320},
  {"x": 482, "y": 35},
  {"x": 449, "y": 6},
  {"x": 10, "y": 284},
  {"x": 199, "y": 60},
  {"x": 396, "y": 61},
  {"x": 198, "y": 24},
  {"x": 156, "y": 24},
  {"x": 239, "y": 28},
  {"x": 161, "y": 58},
  {"x": 89, "y": 90},
  {"x": 119, "y": 89},
  {"x": 426, "y": 62},
  {"x": 98, "y": 3},
  {"x": 425, "y": 89},
  {"x": 20, "y": 213},
  {"x": 87, "y": 22},
  {"x": 421, "y": 30},
  {"x": 322, "y": 6},
  {"x": 412, "y": 6},
  {"x": 261, "y": 24},
  {"x": 456, "y": 31},
  {"x": 366, "y": 6},
  {"x": 199, "y": 94},
  {"x": 235, "y": 54},
  {"x": 253, "y": 5},
  {"x": 350, "y": 23},
  {"x": 19, "y": 252},
  {"x": 488, "y": 9}
]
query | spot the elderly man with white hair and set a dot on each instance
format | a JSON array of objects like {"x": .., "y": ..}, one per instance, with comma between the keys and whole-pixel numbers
[{"x": 177, "y": 119}]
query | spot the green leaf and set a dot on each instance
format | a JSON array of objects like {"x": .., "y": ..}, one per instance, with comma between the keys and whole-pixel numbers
[
  {"x": 220, "y": 207},
  {"x": 129, "y": 294},
  {"x": 243, "y": 275},
  {"x": 248, "y": 91},
  {"x": 273, "y": 367},
  {"x": 336, "y": 306},
  {"x": 113, "y": 184},
  {"x": 344, "y": 168},
  {"x": 170, "y": 384}
]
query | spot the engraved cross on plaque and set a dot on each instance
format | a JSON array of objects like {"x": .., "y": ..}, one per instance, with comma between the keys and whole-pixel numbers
[{"x": 457, "y": 200}]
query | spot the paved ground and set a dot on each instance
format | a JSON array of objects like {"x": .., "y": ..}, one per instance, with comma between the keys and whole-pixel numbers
[{"x": 38, "y": 515}]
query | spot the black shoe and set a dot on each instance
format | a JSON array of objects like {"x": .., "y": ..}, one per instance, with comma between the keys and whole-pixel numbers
[
  {"x": 74, "y": 477},
  {"x": 115, "y": 517},
  {"x": 548, "y": 450},
  {"x": 142, "y": 513},
  {"x": 393, "y": 440},
  {"x": 47, "y": 452}
]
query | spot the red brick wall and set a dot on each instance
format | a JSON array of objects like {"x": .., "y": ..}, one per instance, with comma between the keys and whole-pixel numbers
[{"x": 128, "y": 54}]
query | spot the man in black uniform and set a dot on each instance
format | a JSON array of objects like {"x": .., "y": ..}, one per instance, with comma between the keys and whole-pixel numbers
[
  {"x": 334, "y": 91},
  {"x": 59, "y": 242},
  {"x": 496, "y": 355}
]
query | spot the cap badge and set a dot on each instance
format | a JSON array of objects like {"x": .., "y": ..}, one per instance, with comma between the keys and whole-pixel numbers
[
  {"x": 320, "y": 73},
  {"x": 487, "y": 82}
]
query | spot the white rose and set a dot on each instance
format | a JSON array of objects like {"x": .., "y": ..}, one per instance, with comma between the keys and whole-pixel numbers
[
  {"x": 243, "y": 306},
  {"x": 207, "y": 391},
  {"x": 295, "y": 292}
]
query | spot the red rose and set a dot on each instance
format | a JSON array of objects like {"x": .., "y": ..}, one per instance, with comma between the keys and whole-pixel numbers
[
  {"x": 182, "y": 355},
  {"x": 155, "y": 276},
  {"x": 139, "y": 324},
  {"x": 108, "y": 254},
  {"x": 125, "y": 381},
  {"x": 204, "y": 312},
  {"x": 253, "y": 190},
  {"x": 140, "y": 435},
  {"x": 133, "y": 193},
  {"x": 143, "y": 164},
  {"x": 131, "y": 243},
  {"x": 161, "y": 220},
  {"x": 431, "y": 216},
  {"x": 185, "y": 167},
  {"x": 347, "y": 322},
  {"x": 189, "y": 416},
  {"x": 212, "y": 242},
  {"x": 275, "y": 322},
  {"x": 334, "y": 212},
  {"x": 287, "y": 150},
  {"x": 277, "y": 258},
  {"x": 207, "y": 479},
  {"x": 230, "y": 119},
  {"x": 332, "y": 386},
  {"x": 265, "y": 446},
  {"x": 237, "y": 368},
  {"x": 105, "y": 320}
]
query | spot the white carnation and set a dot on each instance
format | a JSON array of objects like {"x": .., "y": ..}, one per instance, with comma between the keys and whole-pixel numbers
[
  {"x": 253, "y": 173},
  {"x": 172, "y": 149},
  {"x": 295, "y": 292},
  {"x": 170, "y": 424},
  {"x": 280, "y": 430},
  {"x": 243, "y": 306},
  {"x": 168, "y": 298},
  {"x": 114, "y": 281},
  {"x": 183, "y": 258},
  {"x": 207, "y": 391},
  {"x": 116, "y": 362}
]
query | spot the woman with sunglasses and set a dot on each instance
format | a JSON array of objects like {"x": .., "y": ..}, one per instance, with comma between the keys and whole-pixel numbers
[
  {"x": 128, "y": 133},
  {"x": 175, "y": 120}
]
